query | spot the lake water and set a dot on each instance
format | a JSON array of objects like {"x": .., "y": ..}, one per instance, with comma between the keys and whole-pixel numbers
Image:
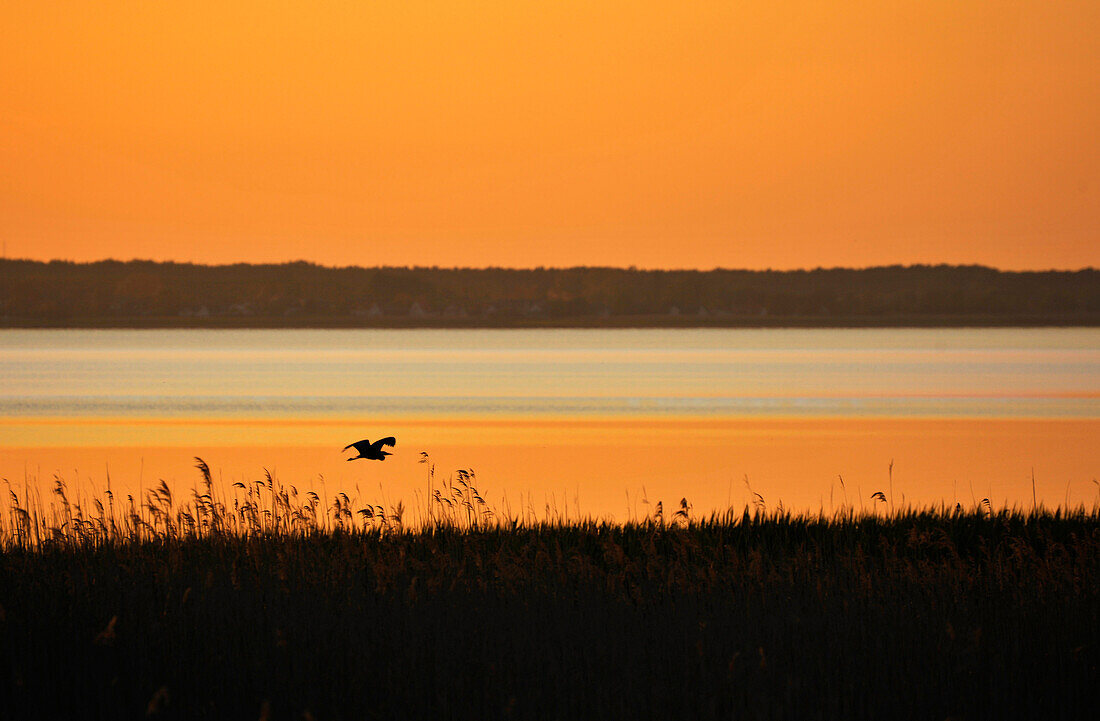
[{"x": 600, "y": 419}]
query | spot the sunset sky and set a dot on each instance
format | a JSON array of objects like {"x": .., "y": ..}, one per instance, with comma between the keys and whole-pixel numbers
[{"x": 758, "y": 133}]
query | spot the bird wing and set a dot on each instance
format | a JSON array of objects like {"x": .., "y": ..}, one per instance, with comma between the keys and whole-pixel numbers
[
  {"x": 360, "y": 446},
  {"x": 389, "y": 441}
]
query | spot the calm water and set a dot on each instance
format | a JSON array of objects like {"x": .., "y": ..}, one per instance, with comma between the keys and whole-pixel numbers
[
  {"x": 597, "y": 419},
  {"x": 990, "y": 373}
]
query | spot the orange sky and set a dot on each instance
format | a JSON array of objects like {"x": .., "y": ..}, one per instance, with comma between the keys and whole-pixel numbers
[{"x": 650, "y": 133}]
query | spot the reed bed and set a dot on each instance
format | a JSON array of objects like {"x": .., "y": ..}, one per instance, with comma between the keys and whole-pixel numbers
[{"x": 260, "y": 602}]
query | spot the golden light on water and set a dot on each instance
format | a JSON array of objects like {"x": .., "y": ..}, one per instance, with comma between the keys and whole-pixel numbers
[{"x": 606, "y": 467}]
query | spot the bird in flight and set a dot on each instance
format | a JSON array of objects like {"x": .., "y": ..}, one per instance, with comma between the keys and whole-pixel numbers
[{"x": 372, "y": 451}]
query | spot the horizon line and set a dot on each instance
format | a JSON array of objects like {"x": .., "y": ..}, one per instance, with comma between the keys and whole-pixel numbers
[{"x": 629, "y": 268}]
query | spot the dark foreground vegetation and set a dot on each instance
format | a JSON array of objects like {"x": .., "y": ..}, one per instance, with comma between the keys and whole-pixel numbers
[
  {"x": 259, "y": 606},
  {"x": 149, "y": 294}
]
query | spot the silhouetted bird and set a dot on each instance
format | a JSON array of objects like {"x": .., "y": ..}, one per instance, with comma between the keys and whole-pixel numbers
[{"x": 372, "y": 451}]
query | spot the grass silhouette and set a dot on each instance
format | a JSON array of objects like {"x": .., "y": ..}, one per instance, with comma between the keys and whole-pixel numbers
[{"x": 257, "y": 601}]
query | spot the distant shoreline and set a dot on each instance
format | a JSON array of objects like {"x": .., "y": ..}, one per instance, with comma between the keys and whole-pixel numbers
[
  {"x": 621, "y": 322},
  {"x": 146, "y": 294}
]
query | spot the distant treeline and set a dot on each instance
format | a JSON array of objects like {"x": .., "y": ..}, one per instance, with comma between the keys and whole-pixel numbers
[{"x": 146, "y": 293}]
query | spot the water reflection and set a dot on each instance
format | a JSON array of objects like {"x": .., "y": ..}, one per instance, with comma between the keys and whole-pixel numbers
[{"x": 603, "y": 418}]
